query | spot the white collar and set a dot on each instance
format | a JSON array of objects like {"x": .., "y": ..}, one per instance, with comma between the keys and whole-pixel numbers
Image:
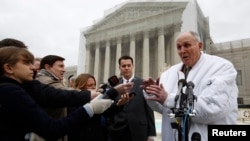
[{"x": 130, "y": 79}]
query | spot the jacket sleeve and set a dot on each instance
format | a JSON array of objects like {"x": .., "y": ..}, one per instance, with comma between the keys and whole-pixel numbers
[{"x": 48, "y": 96}]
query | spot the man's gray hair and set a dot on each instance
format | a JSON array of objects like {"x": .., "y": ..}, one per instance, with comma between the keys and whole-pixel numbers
[{"x": 196, "y": 35}]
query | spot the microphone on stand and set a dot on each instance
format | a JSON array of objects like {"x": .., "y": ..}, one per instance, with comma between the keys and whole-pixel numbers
[
  {"x": 190, "y": 86},
  {"x": 191, "y": 98},
  {"x": 181, "y": 84}
]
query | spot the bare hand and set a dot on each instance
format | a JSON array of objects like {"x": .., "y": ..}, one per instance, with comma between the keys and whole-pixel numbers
[
  {"x": 124, "y": 88},
  {"x": 148, "y": 82},
  {"x": 125, "y": 98},
  {"x": 157, "y": 93}
]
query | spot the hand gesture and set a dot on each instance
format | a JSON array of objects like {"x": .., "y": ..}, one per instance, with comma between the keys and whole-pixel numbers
[
  {"x": 125, "y": 98},
  {"x": 148, "y": 82},
  {"x": 156, "y": 93},
  {"x": 124, "y": 88}
]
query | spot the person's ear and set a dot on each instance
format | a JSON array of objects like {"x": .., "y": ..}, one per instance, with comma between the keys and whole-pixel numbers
[
  {"x": 200, "y": 45},
  {"x": 47, "y": 66},
  {"x": 8, "y": 68}
]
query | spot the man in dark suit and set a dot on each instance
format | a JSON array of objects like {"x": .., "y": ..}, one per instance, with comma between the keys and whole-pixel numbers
[{"x": 135, "y": 122}]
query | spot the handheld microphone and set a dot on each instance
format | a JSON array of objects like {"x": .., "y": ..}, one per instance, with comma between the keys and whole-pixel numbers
[
  {"x": 105, "y": 87},
  {"x": 113, "y": 81}
]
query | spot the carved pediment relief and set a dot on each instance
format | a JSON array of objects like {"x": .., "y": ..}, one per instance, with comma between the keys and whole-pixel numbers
[{"x": 129, "y": 13}]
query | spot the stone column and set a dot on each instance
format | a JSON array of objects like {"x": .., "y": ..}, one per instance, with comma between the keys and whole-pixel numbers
[
  {"x": 132, "y": 47},
  {"x": 87, "y": 61},
  {"x": 174, "y": 55},
  {"x": 118, "y": 55},
  {"x": 107, "y": 61},
  {"x": 145, "y": 55},
  {"x": 97, "y": 61},
  {"x": 161, "y": 51},
  {"x": 82, "y": 53}
]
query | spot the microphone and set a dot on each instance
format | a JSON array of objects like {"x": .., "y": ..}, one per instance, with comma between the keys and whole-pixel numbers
[
  {"x": 190, "y": 93},
  {"x": 196, "y": 137},
  {"x": 181, "y": 84},
  {"x": 113, "y": 81}
]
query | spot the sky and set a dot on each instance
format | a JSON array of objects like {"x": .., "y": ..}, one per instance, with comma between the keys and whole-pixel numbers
[{"x": 53, "y": 26}]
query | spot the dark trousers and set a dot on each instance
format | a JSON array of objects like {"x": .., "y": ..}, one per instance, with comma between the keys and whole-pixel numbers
[{"x": 123, "y": 136}]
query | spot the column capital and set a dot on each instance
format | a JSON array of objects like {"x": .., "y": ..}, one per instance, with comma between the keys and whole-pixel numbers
[
  {"x": 160, "y": 31},
  {"x": 88, "y": 46},
  {"x": 177, "y": 27}
]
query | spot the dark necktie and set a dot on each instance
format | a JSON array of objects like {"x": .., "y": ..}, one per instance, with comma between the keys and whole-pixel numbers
[{"x": 187, "y": 71}]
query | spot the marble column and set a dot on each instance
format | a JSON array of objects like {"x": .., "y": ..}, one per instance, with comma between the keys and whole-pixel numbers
[
  {"x": 161, "y": 51},
  {"x": 82, "y": 55},
  {"x": 107, "y": 61},
  {"x": 174, "y": 55},
  {"x": 132, "y": 47},
  {"x": 118, "y": 55},
  {"x": 97, "y": 61},
  {"x": 145, "y": 55},
  {"x": 87, "y": 61}
]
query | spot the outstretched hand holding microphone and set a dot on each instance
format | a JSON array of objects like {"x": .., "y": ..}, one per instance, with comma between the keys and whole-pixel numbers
[{"x": 102, "y": 102}]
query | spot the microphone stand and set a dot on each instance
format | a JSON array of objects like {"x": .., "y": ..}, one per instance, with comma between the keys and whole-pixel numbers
[{"x": 185, "y": 111}]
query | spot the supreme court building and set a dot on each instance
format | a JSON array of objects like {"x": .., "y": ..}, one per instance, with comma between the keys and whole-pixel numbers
[{"x": 145, "y": 30}]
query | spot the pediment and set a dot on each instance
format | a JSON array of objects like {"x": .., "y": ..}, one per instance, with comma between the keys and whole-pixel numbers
[{"x": 135, "y": 11}]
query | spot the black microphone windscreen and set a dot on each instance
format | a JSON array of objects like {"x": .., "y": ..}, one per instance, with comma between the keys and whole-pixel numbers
[
  {"x": 182, "y": 81},
  {"x": 113, "y": 80},
  {"x": 190, "y": 84}
]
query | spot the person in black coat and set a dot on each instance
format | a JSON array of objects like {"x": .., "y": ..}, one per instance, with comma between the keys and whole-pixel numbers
[{"x": 135, "y": 122}]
